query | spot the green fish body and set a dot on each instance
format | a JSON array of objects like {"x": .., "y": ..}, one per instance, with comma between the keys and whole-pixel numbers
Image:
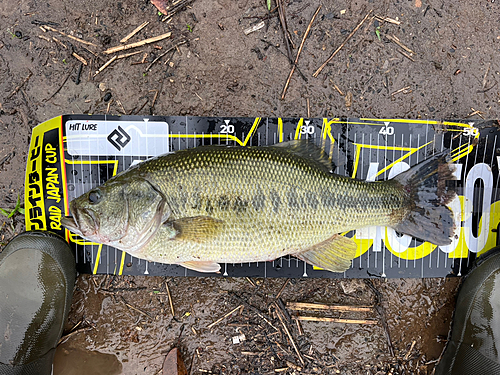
[{"x": 214, "y": 204}]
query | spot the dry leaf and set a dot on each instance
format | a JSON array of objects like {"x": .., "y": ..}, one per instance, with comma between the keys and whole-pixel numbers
[{"x": 161, "y": 5}]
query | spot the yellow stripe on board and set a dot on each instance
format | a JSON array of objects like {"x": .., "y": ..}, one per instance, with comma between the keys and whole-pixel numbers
[
  {"x": 222, "y": 136},
  {"x": 97, "y": 259},
  {"x": 411, "y": 150},
  {"x": 297, "y": 129},
  {"x": 326, "y": 128},
  {"x": 252, "y": 130},
  {"x": 122, "y": 263},
  {"x": 280, "y": 129},
  {"x": 425, "y": 122},
  {"x": 77, "y": 239}
]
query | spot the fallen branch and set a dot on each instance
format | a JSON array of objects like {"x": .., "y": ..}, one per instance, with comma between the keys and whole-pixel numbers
[
  {"x": 79, "y": 58},
  {"x": 164, "y": 53},
  {"x": 396, "y": 40},
  {"x": 387, "y": 19},
  {"x": 335, "y": 320},
  {"x": 135, "y": 31},
  {"x": 225, "y": 316},
  {"x": 282, "y": 16},
  {"x": 105, "y": 65},
  {"x": 316, "y": 73},
  {"x": 20, "y": 86},
  {"x": 298, "y": 53},
  {"x": 69, "y": 36},
  {"x": 61, "y": 86},
  {"x": 301, "y": 306},
  {"x": 76, "y": 331},
  {"x": 170, "y": 298},
  {"x": 175, "y": 7},
  {"x": 137, "y": 44},
  {"x": 128, "y": 54},
  {"x": 278, "y": 312}
]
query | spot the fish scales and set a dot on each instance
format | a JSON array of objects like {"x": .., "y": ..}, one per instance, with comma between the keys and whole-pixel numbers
[
  {"x": 256, "y": 192},
  {"x": 207, "y": 205}
]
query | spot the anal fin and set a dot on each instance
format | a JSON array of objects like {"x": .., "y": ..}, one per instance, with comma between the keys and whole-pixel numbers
[
  {"x": 334, "y": 254},
  {"x": 202, "y": 266}
]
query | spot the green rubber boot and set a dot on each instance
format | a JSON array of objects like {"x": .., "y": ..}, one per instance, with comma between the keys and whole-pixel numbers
[
  {"x": 473, "y": 347},
  {"x": 37, "y": 276}
]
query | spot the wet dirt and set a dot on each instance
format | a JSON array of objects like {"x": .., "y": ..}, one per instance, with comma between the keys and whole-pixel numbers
[{"x": 222, "y": 71}]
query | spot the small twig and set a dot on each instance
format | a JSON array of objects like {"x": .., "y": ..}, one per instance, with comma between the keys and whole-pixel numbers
[
  {"x": 406, "y": 55},
  {"x": 59, "y": 42},
  {"x": 281, "y": 12},
  {"x": 72, "y": 333},
  {"x": 299, "y": 327},
  {"x": 316, "y": 73},
  {"x": 282, "y": 288},
  {"x": 401, "y": 90},
  {"x": 300, "y": 50},
  {"x": 381, "y": 312},
  {"x": 128, "y": 54},
  {"x": 486, "y": 90},
  {"x": 78, "y": 75},
  {"x": 164, "y": 53},
  {"x": 135, "y": 31},
  {"x": 20, "y": 86},
  {"x": 7, "y": 158},
  {"x": 170, "y": 299},
  {"x": 60, "y": 87},
  {"x": 477, "y": 112},
  {"x": 486, "y": 75},
  {"x": 105, "y": 65},
  {"x": 137, "y": 44},
  {"x": 281, "y": 52},
  {"x": 192, "y": 363},
  {"x": 336, "y": 87},
  {"x": 136, "y": 309},
  {"x": 174, "y": 8},
  {"x": 69, "y": 36},
  {"x": 79, "y": 58},
  {"x": 225, "y": 316},
  {"x": 301, "y": 306},
  {"x": 250, "y": 281},
  {"x": 396, "y": 40},
  {"x": 44, "y": 38},
  {"x": 387, "y": 19},
  {"x": 278, "y": 312},
  {"x": 308, "y": 108},
  {"x": 154, "y": 99},
  {"x": 407, "y": 355},
  {"x": 335, "y": 320}
]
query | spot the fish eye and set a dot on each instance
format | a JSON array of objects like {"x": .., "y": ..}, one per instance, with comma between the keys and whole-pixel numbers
[{"x": 94, "y": 196}]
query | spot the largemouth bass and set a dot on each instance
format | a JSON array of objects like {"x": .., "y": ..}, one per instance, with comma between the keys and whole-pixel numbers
[{"x": 213, "y": 204}]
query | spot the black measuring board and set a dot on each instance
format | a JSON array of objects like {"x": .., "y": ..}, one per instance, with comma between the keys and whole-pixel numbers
[{"x": 72, "y": 154}]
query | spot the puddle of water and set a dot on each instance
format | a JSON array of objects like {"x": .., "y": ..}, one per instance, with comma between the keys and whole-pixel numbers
[{"x": 75, "y": 361}]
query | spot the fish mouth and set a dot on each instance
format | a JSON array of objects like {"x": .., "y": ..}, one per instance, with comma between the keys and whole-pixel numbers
[
  {"x": 81, "y": 221},
  {"x": 70, "y": 223}
]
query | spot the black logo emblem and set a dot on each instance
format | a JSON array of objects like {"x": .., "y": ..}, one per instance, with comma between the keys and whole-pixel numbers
[{"x": 119, "y": 138}]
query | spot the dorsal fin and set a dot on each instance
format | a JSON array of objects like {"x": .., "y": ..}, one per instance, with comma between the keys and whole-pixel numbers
[{"x": 307, "y": 149}]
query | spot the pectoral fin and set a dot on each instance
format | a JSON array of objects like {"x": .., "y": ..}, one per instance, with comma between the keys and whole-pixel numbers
[
  {"x": 197, "y": 229},
  {"x": 201, "y": 266},
  {"x": 335, "y": 254}
]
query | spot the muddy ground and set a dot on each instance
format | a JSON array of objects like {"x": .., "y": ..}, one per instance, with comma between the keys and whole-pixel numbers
[{"x": 127, "y": 324}]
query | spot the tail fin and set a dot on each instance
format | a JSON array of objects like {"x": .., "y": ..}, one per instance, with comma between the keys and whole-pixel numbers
[{"x": 428, "y": 217}]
